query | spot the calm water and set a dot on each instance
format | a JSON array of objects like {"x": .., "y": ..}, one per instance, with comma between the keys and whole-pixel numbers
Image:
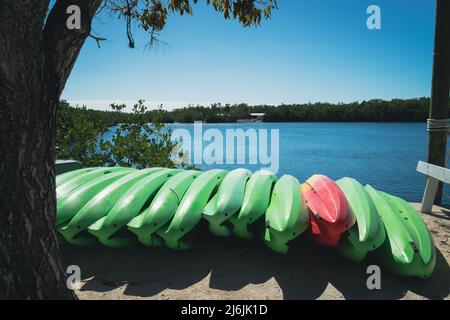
[{"x": 384, "y": 155}]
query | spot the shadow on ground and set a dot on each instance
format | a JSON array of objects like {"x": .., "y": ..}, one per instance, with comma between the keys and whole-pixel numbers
[{"x": 305, "y": 273}]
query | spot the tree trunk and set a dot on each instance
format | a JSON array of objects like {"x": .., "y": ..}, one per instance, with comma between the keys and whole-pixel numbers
[
  {"x": 37, "y": 53},
  {"x": 30, "y": 266}
]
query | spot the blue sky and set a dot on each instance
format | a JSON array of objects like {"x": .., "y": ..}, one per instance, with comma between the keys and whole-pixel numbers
[{"x": 316, "y": 50}]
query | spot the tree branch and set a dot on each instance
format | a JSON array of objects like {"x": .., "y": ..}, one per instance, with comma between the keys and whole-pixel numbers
[{"x": 97, "y": 39}]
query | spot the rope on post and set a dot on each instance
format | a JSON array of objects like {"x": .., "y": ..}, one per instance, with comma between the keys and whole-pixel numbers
[{"x": 438, "y": 125}]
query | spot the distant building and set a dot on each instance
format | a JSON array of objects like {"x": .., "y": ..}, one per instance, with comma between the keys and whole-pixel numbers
[
  {"x": 254, "y": 117},
  {"x": 259, "y": 116}
]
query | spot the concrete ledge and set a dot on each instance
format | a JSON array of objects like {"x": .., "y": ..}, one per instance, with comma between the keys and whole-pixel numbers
[{"x": 63, "y": 166}]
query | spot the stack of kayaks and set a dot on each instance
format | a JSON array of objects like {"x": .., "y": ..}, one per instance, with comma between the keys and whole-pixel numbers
[{"x": 118, "y": 207}]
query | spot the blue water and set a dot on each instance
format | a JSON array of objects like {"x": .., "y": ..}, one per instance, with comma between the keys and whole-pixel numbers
[{"x": 384, "y": 155}]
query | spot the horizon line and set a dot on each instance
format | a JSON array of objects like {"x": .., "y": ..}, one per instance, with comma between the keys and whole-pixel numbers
[{"x": 104, "y": 105}]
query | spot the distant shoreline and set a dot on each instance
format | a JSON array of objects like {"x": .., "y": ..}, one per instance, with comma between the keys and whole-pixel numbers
[
  {"x": 267, "y": 122},
  {"x": 376, "y": 110}
]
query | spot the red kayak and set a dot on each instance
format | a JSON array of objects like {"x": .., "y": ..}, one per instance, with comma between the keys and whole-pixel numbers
[{"x": 328, "y": 209}]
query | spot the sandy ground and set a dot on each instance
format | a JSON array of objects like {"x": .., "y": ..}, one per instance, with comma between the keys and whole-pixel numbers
[{"x": 230, "y": 268}]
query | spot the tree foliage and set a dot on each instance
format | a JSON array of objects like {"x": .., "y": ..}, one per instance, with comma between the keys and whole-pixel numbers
[
  {"x": 136, "y": 141},
  {"x": 77, "y": 134},
  {"x": 152, "y": 15},
  {"x": 370, "y": 111}
]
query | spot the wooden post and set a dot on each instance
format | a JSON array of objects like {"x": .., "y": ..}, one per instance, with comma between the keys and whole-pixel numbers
[{"x": 440, "y": 87}]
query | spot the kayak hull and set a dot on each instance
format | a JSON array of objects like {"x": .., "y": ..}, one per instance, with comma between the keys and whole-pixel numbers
[
  {"x": 128, "y": 207},
  {"x": 227, "y": 201},
  {"x": 64, "y": 177},
  {"x": 408, "y": 249},
  {"x": 189, "y": 211},
  {"x": 287, "y": 216},
  {"x": 329, "y": 214},
  {"x": 162, "y": 209},
  {"x": 368, "y": 233},
  {"x": 98, "y": 207},
  {"x": 255, "y": 203},
  {"x": 69, "y": 205},
  {"x": 71, "y": 184}
]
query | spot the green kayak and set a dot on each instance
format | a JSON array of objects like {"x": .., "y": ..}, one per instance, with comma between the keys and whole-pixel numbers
[
  {"x": 190, "y": 209},
  {"x": 69, "y": 205},
  {"x": 127, "y": 207},
  {"x": 98, "y": 207},
  {"x": 64, "y": 177},
  {"x": 227, "y": 201},
  {"x": 368, "y": 232},
  {"x": 408, "y": 249},
  {"x": 161, "y": 209},
  {"x": 256, "y": 201},
  {"x": 287, "y": 216},
  {"x": 73, "y": 183}
]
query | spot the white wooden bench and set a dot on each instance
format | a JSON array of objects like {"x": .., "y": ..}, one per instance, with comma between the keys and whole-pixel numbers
[{"x": 434, "y": 175}]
